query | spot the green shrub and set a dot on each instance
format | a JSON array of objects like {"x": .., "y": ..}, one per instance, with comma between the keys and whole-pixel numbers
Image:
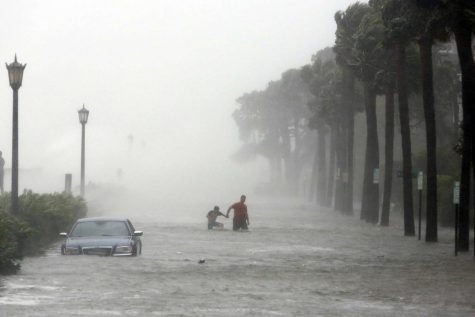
[
  {"x": 13, "y": 234},
  {"x": 40, "y": 219},
  {"x": 48, "y": 215}
]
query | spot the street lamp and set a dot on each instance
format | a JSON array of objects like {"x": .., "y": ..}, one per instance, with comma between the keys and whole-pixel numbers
[
  {"x": 15, "y": 75},
  {"x": 83, "y": 115}
]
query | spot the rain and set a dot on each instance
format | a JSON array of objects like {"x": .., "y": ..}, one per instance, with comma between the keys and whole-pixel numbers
[{"x": 265, "y": 158}]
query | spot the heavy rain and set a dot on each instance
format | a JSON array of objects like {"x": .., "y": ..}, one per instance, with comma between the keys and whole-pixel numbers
[{"x": 237, "y": 158}]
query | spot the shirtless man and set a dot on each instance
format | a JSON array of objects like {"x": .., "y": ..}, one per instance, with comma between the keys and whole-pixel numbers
[{"x": 212, "y": 215}]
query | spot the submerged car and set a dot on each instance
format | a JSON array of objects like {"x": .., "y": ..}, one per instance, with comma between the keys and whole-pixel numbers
[{"x": 102, "y": 236}]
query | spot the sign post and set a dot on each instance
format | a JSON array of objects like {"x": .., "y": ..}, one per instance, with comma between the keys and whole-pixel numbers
[
  {"x": 456, "y": 203},
  {"x": 376, "y": 176},
  {"x": 420, "y": 184}
]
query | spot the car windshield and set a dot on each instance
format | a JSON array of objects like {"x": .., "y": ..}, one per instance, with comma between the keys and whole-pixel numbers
[{"x": 100, "y": 228}]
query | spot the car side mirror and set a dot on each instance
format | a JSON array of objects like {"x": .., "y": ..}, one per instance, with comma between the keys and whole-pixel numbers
[
  {"x": 138, "y": 233},
  {"x": 63, "y": 234}
]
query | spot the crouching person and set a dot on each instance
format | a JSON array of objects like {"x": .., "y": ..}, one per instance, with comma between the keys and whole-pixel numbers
[{"x": 212, "y": 215}]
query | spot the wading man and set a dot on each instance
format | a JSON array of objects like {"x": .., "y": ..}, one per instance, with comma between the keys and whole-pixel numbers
[{"x": 241, "y": 218}]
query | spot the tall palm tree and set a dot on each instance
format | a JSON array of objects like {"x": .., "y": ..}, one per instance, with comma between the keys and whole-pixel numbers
[
  {"x": 371, "y": 59},
  {"x": 321, "y": 78},
  {"x": 463, "y": 28},
  {"x": 347, "y": 24},
  {"x": 399, "y": 35},
  {"x": 388, "y": 151},
  {"x": 459, "y": 17},
  {"x": 429, "y": 26}
]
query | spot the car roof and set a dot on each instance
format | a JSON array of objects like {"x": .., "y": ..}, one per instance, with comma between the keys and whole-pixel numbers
[{"x": 102, "y": 219}]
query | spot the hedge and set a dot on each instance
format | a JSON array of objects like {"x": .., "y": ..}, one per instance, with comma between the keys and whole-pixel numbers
[{"x": 40, "y": 218}]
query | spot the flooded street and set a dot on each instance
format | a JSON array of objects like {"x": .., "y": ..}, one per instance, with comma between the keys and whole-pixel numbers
[{"x": 295, "y": 261}]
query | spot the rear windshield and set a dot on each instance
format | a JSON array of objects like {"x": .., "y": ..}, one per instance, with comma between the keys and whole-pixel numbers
[{"x": 100, "y": 228}]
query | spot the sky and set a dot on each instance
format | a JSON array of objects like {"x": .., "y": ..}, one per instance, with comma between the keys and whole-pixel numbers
[{"x": 165, "y": 72}]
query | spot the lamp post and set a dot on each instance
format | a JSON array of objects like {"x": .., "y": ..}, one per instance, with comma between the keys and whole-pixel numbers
[
  {"x": 83, "y": 115},
  {"x": 15, "y": 76}
]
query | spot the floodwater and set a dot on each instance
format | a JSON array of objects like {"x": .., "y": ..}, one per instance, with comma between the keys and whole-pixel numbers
[{"x": 295, "y": 261}]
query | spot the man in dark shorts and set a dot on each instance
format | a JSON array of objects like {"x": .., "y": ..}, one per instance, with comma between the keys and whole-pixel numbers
[
  {"x": 212, "y": 215},
  {"x": 241, "y": 218}
]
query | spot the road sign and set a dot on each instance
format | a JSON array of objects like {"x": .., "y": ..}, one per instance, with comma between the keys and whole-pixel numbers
[
  {"x": 456, "y": 193},
  {"x": 376, "y": 176},
  {"x": 420, "y": 180}
]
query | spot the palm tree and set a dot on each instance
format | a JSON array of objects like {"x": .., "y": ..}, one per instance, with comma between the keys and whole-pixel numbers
[
  {"x": 370, "y": 60},
  {"x": 463, "y": 28},
  {"x": 428, "y": 25},
  {"x": 320, "y": 78},
  {"x": 388, "y": 151},
  {"x": 459, "y": 17},
  {"x": 425, "y": 49},
  {"x": 398, "y": 35},
  {"x": 347, "y": 24}
]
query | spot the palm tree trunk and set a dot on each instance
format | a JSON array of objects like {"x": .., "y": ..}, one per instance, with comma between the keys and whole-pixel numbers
[
  {"x": 456, "y": 123},
  {"x": 322, "y": 166},
  {"x": 463, "y": 38},
  {"x": 425, "y": 48},
  {"x": 314, "y": 177},
  {"x": 341, "y": 166},
  {"x": 350, "y": 137},
  {"x": 331, "y": 168},
  {"x": 297, "y": 165},
  {"x": 373, "y": 144},
  {"x": 388, "y": 154},
  {"x": 350, "y": 155},
  {"x": 371, "y": 189},
  {"x": 287, "y": 160},
  {"x": 464, "y": 206},
  {"x": 409, "y": 229}
]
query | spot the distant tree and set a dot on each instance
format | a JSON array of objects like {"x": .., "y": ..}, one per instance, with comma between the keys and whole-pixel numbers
[
  {"x": 321, "y": 78},
  {"x": 294, "y": 94},
  {"x": 272, "y": 123},
  {"x": 259, "y": 130}
]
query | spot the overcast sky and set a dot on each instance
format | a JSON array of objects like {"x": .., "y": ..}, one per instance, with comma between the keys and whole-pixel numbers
[{"x": 166, "y": 72}]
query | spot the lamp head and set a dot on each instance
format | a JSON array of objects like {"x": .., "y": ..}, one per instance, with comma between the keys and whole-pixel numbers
[
  {"x": 83, "y": 115},
  {"x": 15, "y": 73}
]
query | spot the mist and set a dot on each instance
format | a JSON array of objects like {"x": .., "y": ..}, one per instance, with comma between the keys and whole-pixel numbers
[
  {"x": 163, "y": 74},
  {"x": 340, "y": 121}
]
